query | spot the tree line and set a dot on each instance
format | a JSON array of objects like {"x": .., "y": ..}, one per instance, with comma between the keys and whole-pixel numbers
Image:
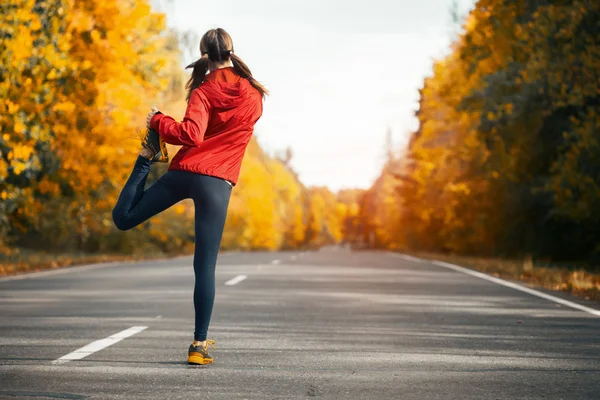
[
  {"x": 76, "y": 80},
  {"x": 506, "y": 159}
]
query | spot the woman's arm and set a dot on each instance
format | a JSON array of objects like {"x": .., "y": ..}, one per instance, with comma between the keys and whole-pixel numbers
[{"x": 190, "y": 132}]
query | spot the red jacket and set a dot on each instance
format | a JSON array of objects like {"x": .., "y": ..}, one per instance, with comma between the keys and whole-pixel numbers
[{"x": 217, "y": 127}]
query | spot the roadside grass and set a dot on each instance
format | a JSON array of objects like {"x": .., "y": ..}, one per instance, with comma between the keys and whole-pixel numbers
[
  {"x": 572, "y": 279},
  {"x": 32, "y": 261}
]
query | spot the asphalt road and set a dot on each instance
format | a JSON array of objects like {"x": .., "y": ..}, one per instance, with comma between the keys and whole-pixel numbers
[{"x": 329, "y": 324}]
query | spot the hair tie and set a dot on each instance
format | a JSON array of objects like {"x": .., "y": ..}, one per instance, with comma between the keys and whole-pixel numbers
[
  {"x": 193, "y": 64},
  {"x": 216, "y": 56}
]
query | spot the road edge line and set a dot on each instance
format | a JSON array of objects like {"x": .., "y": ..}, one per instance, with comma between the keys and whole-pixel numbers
[
  {"x": 90, "y": 266},
  {"x": 511, "y": 285},
  {"x": 64, "y": 270},
  {"x": 407, "y": 257}
]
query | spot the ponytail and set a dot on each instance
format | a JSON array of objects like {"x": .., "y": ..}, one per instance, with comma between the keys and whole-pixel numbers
[
  {"x": 198, "y": 75},
  {"x": 216, "y": 46},
  {"x": 242, "y": 70}
]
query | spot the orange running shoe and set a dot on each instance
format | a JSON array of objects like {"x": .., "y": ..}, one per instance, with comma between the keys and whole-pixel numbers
[{"x": 198, "y": 355}]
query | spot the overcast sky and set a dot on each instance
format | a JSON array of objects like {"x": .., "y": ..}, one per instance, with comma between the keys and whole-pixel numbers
[{"x": 340, "y": 73}]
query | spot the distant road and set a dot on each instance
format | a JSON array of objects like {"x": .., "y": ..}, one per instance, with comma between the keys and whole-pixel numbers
[{"x": 329, "y": 324}]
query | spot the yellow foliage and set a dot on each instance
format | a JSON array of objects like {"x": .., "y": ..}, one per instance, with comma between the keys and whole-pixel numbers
[
  {"x": 506, "y": 155},
  {"x": 68, "y": 122},
  {"x": 78, "y": 78}
]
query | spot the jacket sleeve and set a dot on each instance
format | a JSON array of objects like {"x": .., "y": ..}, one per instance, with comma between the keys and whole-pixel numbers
[{"x": 190, "y": 131}]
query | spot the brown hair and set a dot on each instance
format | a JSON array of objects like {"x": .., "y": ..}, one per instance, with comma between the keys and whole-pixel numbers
[{"x": 216, "y": 45}]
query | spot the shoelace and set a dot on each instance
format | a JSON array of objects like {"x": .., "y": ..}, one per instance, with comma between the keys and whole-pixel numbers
[
  {"x": 211, "y": 343},
  {"x": 146, "y": 143},
  {"x": 150, "y": 146}
]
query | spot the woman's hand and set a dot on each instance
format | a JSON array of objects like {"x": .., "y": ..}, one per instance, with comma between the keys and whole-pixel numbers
[{"x": 153, "y": 111}]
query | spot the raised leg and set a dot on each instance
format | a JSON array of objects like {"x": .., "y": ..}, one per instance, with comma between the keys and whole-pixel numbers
[{"x": 136, "y": 205}]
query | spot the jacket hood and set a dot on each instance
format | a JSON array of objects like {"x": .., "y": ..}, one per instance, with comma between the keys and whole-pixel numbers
[{"x": 225, "y": 89}]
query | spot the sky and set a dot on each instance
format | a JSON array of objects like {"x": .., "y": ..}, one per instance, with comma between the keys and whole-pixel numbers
[{"x": 341, "y": 74}]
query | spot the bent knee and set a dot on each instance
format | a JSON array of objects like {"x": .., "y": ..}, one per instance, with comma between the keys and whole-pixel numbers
[
  {"x": 121, "y": 226},
  {"x": 121, "y": 223}
]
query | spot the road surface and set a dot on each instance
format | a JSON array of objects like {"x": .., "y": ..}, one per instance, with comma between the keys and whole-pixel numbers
[{"x": 329, "y": 324}]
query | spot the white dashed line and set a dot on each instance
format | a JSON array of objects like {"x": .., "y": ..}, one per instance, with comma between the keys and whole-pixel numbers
[
  {"x": 99, "y": 345},
  {"x": 236, "y": 280},
  {"x": 275, "y": 262}
]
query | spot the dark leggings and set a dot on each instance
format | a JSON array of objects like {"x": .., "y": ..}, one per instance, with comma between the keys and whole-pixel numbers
[{"x": 211, "y": 198}]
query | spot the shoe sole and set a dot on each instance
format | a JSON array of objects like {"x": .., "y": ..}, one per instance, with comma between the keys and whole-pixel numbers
[{"x": 199, "y": 360}]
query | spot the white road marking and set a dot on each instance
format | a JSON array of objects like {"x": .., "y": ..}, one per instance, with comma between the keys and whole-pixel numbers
[
  {"x": 275, "y": 262},
  {"x": 99, "y": 345},
  {"x": 63, "y": 270},
  {"x": 236, "y": 280},
  {"x": 407, "y": 257},
  {"x": 88, "y": 267},
  {"x": 518, "y": 287}
]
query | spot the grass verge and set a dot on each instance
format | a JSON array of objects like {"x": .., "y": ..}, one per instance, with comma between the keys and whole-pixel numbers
[
  {"x": 25, "y": 262},
  {"x": 565, "y": 278}
]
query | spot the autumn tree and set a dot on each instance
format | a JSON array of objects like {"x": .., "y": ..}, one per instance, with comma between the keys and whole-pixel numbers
[
  {"x": 72, "y": 107},
  {"x": 504, "y": 161}
]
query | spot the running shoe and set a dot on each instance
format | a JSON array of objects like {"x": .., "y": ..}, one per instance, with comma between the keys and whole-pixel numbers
[
  {"x": 153, "y": 142},
  {"x": 198, "y": 355}
]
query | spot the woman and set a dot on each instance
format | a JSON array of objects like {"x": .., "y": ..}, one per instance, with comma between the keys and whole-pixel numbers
[{"x": 222, "y": 109}]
